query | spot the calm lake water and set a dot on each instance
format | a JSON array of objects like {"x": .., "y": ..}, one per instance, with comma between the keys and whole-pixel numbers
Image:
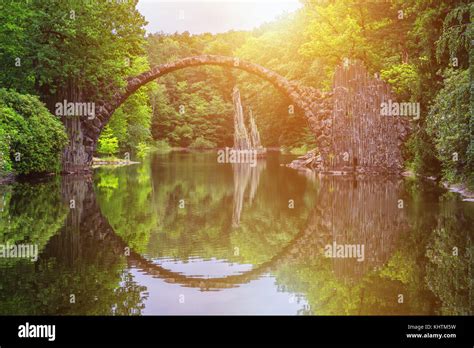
[{"x": 182, "y": 234}]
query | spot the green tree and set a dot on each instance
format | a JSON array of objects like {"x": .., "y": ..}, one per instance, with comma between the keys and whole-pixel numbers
[
  {"x": 131, "y": 122},
  {"x": 69, "y": 49},
  {"x": 448, "y": 124},
  {"x": 404, "y": 81},
  {"x": 108, "y": 142}
]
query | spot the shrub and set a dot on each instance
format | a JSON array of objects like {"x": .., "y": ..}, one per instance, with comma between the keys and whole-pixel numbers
[
  {"x": 201, "y": 143},
  {"x": 108, "y": 143},
  {"x": 37, "y": 137},
  {"x": 143, "y": 149},
  {"x": 162, "y": 146},
  {"x": 404, "y": 80},
  {"x": 302, "y": 150},
  {"x": 5, "y": 161}
]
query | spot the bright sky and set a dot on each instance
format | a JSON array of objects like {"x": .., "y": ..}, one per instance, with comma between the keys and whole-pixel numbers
[{"x": 214, "y": 16}]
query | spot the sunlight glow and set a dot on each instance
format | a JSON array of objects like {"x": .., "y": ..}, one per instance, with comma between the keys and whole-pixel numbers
[{"x": 200, "y": 16}]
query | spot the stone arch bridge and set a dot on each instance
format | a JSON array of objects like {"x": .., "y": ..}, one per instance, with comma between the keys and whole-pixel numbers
[{"x": 346, "y": 122}]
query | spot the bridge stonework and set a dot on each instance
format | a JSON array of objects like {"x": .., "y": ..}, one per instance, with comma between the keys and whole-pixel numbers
[{"x": 363, "y": 135}]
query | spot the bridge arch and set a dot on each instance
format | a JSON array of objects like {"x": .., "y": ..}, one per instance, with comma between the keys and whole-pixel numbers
[
  {"x": 345, "y": 122},
  {"x": 86, "y": 134}
]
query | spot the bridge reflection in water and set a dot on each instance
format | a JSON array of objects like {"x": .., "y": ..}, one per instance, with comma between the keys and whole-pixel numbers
[
  {"x": 347, "y": 212},
  {"x": 365, "y": 212}
]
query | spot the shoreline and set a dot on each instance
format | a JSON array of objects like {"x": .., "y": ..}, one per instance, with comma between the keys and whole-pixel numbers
[
  {"x": 459, "y": 188},
  {"x": 301, "y": 164}
]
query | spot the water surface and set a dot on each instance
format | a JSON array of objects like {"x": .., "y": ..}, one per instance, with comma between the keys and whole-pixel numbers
[{"x": 182, "y": 234}]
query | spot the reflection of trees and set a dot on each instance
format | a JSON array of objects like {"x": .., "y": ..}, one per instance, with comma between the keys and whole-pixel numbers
[
  {"x": 124, "y": 198},
  {"x": 45, "y": 288},
  {"x": 30, "y": 214},
  {"x": 86, "y": 258},
  {"x": 201, "y": 227},
  {"x": 419, "y": 264},
  {"x": 281, "y": 247},
  {"x": 449, "y": 251},
  {"x": 266, "y": 224},
  {"x": 144, "y": 208},
  {"x": 79, "y": 260}
]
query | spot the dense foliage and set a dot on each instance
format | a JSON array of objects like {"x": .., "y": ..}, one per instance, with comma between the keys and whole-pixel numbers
[
  {"x": 68, "y": 49},
  {"x": 449, "y": 125},
  {"x": 76, "y": 51},
  {"x": 193, "y": 105},
  {"x": 32, "y": 138},
  {"x": 130, "y": 124},
  {"x": 5, "y": 160}
]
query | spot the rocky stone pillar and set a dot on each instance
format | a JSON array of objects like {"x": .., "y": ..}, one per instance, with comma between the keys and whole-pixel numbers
[{"x": 75, "y": 157}]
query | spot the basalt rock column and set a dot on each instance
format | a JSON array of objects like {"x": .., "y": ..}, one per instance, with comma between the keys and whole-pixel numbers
[
  {"x": 352, "y": 135},
  {"x": 362, "y": 139},
  {"x": 255, "y": 136},
  {"x": 241, "y": 136}
]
